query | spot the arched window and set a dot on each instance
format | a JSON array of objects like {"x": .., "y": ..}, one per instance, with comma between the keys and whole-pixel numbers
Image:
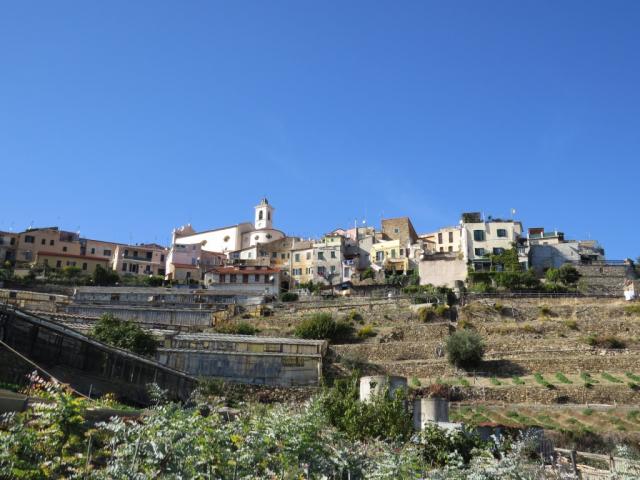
[
  {"x": 269, "y": 216},
  {"x": 260, "y": 215}
]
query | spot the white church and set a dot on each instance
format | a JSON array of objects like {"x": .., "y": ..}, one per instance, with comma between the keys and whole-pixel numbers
[{"x": 235, "y": 241}]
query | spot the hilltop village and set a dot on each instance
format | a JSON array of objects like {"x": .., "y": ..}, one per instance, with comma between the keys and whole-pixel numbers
[
  {"x": 259, "y": 258},
  {"x": 455, "y": 338}
]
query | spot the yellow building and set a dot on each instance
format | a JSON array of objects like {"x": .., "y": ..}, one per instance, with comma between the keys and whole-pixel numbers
[
  {"x": 390, "y": 256},
  {"x": 302, "y": 263}
]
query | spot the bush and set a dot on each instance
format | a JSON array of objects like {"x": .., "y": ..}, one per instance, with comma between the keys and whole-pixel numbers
[
  {"x": 354, "y": 316},
  {"x": 366, "y": 332},
  {"x": 465, "y": 348},
  {"x": 124, "y": 334},
  {"x": 517, "y": 280},
  {"x": 517, "y": 380},
  {"x": 383, "y": 417},
  {"x": 541, "y": 380},
  {"x": 571, "y": 324},
  {"x": 426, "y": 314},
  {"x": 103, "y": 277},
  {"x": 562, "y": 378},
  {"x": 368, "y": 273},
  {"x": 632, "y": 309},
  {"x": 607, "y": 376},
  {"x": 241, "y": 328},
  {"x": 608, "y": 341},
  {"x": 322, "y": 326},
  {"x": 288, "y": 297}
]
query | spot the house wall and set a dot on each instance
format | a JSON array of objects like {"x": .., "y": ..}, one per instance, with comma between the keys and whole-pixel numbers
[
  {"x": 491, "y": 241},
  {"x": 442, "y": 270},
  {"x": 542, "y": 257},
  {"x": 399, "y": 229}
]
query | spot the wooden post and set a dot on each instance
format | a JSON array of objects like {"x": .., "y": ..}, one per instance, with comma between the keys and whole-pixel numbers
[{"x": 574, "y": 465}]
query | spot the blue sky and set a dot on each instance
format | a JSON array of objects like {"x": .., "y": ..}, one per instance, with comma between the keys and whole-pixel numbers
[{"x": 125, "y": 119}]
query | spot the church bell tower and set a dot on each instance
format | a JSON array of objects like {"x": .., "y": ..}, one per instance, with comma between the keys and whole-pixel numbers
[{"x": 264, "y": 215}]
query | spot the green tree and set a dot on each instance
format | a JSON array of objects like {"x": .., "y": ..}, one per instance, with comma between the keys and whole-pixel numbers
[
  {"x": 124, "y": 334},
  {"x": 322, "y": 326},
  {"x": 465, "y": 348},
  {"x": 103, "y": 277},
  {"x": 507, "y": 260}
]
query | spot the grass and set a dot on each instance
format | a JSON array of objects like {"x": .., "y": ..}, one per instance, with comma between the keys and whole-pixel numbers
[
  {"x": 517, "y": 380},
  {"x": 606, "y": 341},
  {"x": 586, "y": 376},
  {"x": 495, "y": 381},
  {"x": 632, "y": 309},
  {"x": 634, "y": 416},
  {"x": 563, "y": 379},
  {"x": 464, "y": 382},
  {"x": 588, "y": 412},
  {"x": 545, "y": 311},
  {"x": 571, "y": 324},
  {"x": 542, "y": 381},
  {"x": 610, "y": 378}
]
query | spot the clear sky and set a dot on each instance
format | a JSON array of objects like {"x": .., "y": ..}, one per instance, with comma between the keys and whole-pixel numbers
[{"x": 123, "y": 119}]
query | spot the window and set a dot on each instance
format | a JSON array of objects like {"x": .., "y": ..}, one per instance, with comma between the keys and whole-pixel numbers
[
  {"x": 44, "y": 241},
  {"x": 46, "y": 261},
  {"x": 232, "y": 278},
  {"x": 64, "y": 249},
  {"x": 393, "y": 253},
  {"x": 84, "y": 266},
  {"x": 439, "y": 237},
  {"x": 245, "y": 278},
  {"x": 498, "y": 251},
  {"x": 502, "y": 233},
  {"x": 333, "y": 269},
  {"x": 320, "y": 255},
  {"x": 274, "y": 255},
  {"x": 450, "y": 248},
  {"x": 13, "y": 241},
  {"x": 442, "y": 249},
  {"x": 308, "y": 255},
  {"x": 260, "y": 215},
  {"x": 402, "y": 252},
  {"x": 256, "y": 277},
  {"x": 282, "y": 256},
  {"x": 29, "y": 239},
  {"x": 450, "y": 237},
  {"x": 379, "y": 256},
  {"x": 126, "y": 253},
  {"x": 193, "y": 261},
  {"x": 124, "y": 266},
  {"x": 221, "y": 278},
  {"x": 479, "y": 252},
  {"x": 162, "y": 258},
  {"x": 478, "y": 235},
  {"x": 149, "y": 255},
  {"x": 135, "y": 254},
  {"x": 321, "y": 271},
  {"x": 396, "y": 230},
  {"x": 106, "y": 253},
  {"x": 297, "y": 257},
  {"x": 58, "y": 263}
]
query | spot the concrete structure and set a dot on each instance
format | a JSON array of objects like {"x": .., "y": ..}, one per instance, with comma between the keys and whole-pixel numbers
[
  {"x": 8, "y": 247},
  {"x": 430, "y": 410},
  {"x": 371, "y": 386},
  {"x": 189, "y": 262},
  {"x": 552, "y": 250},
  {"x": 246, "y": 279},
  {"x": 491, "y": 237},
  {"x": 246, "y": 358},
  {"x": 358, "y": 245},
  {"x": 83, "y": 363},
  {"x": 442, "y": 269}
]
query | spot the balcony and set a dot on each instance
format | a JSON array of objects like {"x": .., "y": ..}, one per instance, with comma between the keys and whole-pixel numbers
[{"x": 138, "y": 258}]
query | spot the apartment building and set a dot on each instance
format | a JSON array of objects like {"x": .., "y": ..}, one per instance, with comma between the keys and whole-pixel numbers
[
  {"x": 390, "y": 256},
  {"x": 481, "y": 238},
  {"x": 8, "y": 247},
  {"x": 329, "y": 256},
  {"x": 143, "y": 259},
  {"x": 303, "y": 263},
  {"x": 248, "y": 279},
  {"x": 444, "y": 240}
]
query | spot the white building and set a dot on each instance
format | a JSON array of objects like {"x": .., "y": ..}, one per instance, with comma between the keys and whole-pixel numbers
[
  {"x": 482, "y": 238},
  {"x": 243, "y": 237}
]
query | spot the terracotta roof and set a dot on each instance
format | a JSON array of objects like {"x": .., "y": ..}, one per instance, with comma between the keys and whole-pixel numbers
[
  {"x": 237, "y": 270},
  {"x": 185, "y": 265},
  {"x": 70, "y": 255}
]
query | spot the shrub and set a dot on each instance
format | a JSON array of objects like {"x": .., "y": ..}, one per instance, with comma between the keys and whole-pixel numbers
[
  {"x": 608, "y": 341},
  {"x": 631, "y": 376},
  {"x": 495, "y": 381},
  {"x": 288, "y": 297},
  {"x": 464, "y": 382},
  {"x": 541, "y": 380},
  {"x": 415, "y": 383},
  {"x": 241, "y": 328},
  {"x": 589, "y": 381},
  {"x": 124, "y": 334},
  {"x": 322, "y": 326},
  {"x": 426, "y": 314},
  {"x": 517, "y": 280},
  {"x": 607, "y": 376},
  {"x": 587, "y": 412},
  {"x": 562, "y": 378},
  {"x": 498, "y": 307},
  {"x": 103, "y": 277},
  {"x": 571, "y": 324},
  {"x": 442, "y": 310},
  {"x": 517, "y": 380},
  {"x": 354, "y": 316},
  {"x": 465, "y": 324},
  {"x": 545, "y": 311},
  {"x": 465, "y": 348},
  {"x": 632, "y": 309},
  {"x": 366, "y": 332}
]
